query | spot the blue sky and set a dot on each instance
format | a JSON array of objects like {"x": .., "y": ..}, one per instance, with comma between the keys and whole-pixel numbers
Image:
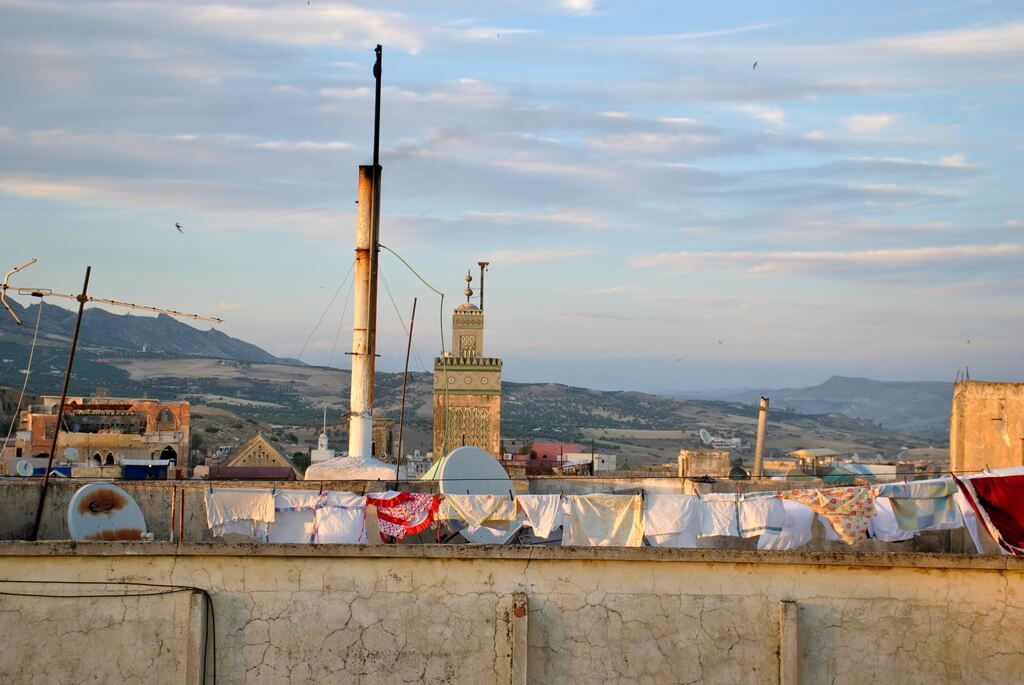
[{"x": 658, "y": 214}]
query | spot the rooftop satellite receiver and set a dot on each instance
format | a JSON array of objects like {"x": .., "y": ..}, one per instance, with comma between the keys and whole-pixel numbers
[
  {"x": 103, "y": 511},
  {"x": 24, "y": 468},
  {"x": 471, "y": 471},
  {"x": 705, "y": 437},
  {"x": 71, "y": 453}
]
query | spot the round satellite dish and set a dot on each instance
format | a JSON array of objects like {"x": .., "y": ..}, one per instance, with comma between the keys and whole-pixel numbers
[
  {"x": 24, "y": 467},
  {"x": 121, "y": 457},
  {"x": 471, "y": 471},
  {"x": 71, "y": 453},
  {"x": 705, "y": 437},
  {"x": 103, "y": 511}
]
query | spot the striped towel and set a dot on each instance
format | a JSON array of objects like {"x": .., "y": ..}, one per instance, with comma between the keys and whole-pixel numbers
[{"x": 923, "y": 504}]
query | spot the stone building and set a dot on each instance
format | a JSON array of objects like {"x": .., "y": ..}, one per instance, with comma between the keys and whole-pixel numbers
[
  {"x": 986, "y": 427},
  {"x": 467, "y": 387},
  {"x": 104, "y": 430}
]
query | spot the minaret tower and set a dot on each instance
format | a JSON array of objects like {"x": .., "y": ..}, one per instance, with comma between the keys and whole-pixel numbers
[{"x": 467, "y": 386}]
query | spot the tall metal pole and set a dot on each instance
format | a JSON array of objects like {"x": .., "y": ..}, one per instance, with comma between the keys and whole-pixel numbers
[
  {"x": 82, "y": 299},
  {"x": 762, "y": 424},
  {"x": 405, "y": 383},
  {"x": 375, "y": 228},
  {"x": 483, "y": 268}
]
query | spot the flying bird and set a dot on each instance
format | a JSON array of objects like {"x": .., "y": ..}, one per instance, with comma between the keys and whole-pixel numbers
[
  {"x": 755, "y": 65},
  {"x": 178, "y": 226}
]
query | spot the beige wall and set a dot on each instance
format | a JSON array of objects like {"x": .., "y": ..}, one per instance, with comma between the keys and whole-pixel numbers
[
  {"x": 986, "y": 428},
  {"x": 353, "y": 614}
]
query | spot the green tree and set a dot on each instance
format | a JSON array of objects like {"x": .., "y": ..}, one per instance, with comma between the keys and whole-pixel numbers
[{"x": 301, "y": 460}]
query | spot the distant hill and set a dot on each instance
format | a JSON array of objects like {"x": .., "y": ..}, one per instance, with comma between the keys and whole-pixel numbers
[
  {"x": 915, "y": 407},
  {"x": 128, "y": 332}
]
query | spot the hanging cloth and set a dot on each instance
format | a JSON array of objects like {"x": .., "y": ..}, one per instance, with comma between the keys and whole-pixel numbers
[
  {"x": 884, "y": 526},
  {"x": 796, "y": 529},
  {"x": 295, "y": 515},
  {"x": 542, "y": 512},
  {"x": 847, "y": 509},
  {"x": 923, "y": 504},
  {"x": 601, "y": 520},
  {"x": 248, "y": 511},
  {"x": 999, "y": 503},
  {"x": 404, "y": 513},
  {"x": 341, "y": 519},
  {"x": 672, "y": 520},
  {"x": 743, "y": 515},
  {"x": 478, "y": 510}
]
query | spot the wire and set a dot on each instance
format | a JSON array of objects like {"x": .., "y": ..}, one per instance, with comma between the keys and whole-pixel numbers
[
  {"x": 326, "y": 309},
  {"x": 405, "y": 329},
  {"x": 211, "y": 626},
  {"x": 341, "y": 320},
  {"x": 444, "y": 355},
  {"x": 24, "y": 386}
]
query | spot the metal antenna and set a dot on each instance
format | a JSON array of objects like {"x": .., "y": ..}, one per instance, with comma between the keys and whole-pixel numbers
[{"x": 46, "y": 292}]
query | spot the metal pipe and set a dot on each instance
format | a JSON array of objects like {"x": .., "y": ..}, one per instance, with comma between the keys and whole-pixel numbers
[
  {"x": 371, "y": 333},
  {"x": 405, "y": 383},
  {"x": 483, "y": 268},
  {"x": 82, "y": 299},
  {"x": 360, "y": 422},
  {"x": 762, "y": 424}
]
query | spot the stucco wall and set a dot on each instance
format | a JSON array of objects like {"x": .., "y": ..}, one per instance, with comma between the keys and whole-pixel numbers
[
  {"x": 986, "y": 428},
  {"x": 355, "y": 614}
]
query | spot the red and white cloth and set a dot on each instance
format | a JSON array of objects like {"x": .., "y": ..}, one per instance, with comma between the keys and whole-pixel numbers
[
  {"x": 999, "y": 503},
  {"x": 403, "y": 513}
]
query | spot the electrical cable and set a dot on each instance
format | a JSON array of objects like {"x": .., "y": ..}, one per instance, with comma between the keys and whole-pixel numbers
[
  {"x": 28, "y": 372},
  {"x": 341, "y": 320},
  {"x": 405, "y": 329},
  {"x": 326, "y": 309}
]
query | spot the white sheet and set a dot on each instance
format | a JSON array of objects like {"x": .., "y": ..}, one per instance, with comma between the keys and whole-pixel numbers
[{"x": 672, "y": 520}]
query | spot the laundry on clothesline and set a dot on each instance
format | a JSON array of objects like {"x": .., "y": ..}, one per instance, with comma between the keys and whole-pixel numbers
[
  {"x": 672, "y": 520},
  {"x": 541, "y": 512},
  {"x": 245, "y": 511},
  {"x": 999, "y": 503},
  {"x": 846, "y": 509},
  {"x": 743, "y": 515},
  {"x": 478, "y": 510},
  {"x": 295, "y": 516},
  {"x": 341, "y": 519},
  {"x": 923, "y": 504},
  {"x": 796, "y": 529},
  {"x": 403, "y": 513},
  {"x": 601, "y": 520}
]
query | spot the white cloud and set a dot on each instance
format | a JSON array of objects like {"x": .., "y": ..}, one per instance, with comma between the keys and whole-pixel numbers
[
  {"x": 579, "y": 7},
  {"x": 815, "y": 135},
  {"x": 772, "y": 116},
  {"x": 869, "y": 124}
]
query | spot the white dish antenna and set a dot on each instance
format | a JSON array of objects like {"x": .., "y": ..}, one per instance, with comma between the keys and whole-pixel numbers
[
  {"x": 24, "y": 468},
  {"x": 71, "y": 453},
  {"x": 471, "y": 471},
  {"x": 705, "y": 437},
  {"x": 103, "y": 511}
]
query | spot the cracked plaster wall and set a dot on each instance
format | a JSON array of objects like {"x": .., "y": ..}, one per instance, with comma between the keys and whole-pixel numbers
[{"x": 351, "y": 618}]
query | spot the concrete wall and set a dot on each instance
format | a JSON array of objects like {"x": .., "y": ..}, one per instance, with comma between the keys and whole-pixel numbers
[
  {"x": 986, "y": 428},
  {"x": 289, "y": 615}
]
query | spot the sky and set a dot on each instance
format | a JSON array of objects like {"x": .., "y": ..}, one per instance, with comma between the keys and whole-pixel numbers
[{"x": 659, "y": 214}]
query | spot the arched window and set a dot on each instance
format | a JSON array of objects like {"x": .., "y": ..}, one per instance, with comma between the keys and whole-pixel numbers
[
  {"x": 165, "y": 420},
  {"x": 97, "y": 459},
  {"x": 109, "y": 461}
]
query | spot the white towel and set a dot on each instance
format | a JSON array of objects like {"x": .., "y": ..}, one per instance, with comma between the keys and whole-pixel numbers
[
  {"x": 760, "y": 514},
  {"x": 673, "y": 520},
  {"x": 601, "y": 520},
  {"x": 251, "y": 529},
  {"x": 796, "y": 528},
  {"x": 295, "y": 516},
  {"x": 475, "y": 510},
  {"x": 720, "y": 515},
  {"x": 239, "y": 504},
  {"x": 342, "y": 519},
  {"x": 543, "y": 513}
]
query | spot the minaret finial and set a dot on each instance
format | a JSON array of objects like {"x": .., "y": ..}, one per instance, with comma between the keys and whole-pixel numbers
[{"x": 469, "y": 291}]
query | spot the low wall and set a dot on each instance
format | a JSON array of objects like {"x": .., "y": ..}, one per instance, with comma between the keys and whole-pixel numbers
[{"x": 303, "y": 614}]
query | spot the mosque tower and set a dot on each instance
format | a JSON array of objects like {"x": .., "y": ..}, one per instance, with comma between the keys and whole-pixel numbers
[{"x": 467, "y": 385}]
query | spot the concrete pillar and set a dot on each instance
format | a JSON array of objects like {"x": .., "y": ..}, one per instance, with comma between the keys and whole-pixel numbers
[
  {"x": 197, "y": 642},
  {"x": 762, "y": 424},
  {"x": 789, "y": 644},
  {"x": 360, "y": 422},
  {"x": 520, "y": 645}
]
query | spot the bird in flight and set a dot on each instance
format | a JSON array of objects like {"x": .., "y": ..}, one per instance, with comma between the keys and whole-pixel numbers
[
  {"x": 755, "y": 65},
  {"x": 178, "y": 226}
]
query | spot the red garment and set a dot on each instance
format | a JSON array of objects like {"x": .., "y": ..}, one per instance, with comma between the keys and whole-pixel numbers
[
  {"x": 405, "y": 513},
  {"x": 999, "y": 503}
]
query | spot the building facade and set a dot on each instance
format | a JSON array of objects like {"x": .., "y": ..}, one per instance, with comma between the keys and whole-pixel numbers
[
  {"x": 467, "y": 387},
  {"x": 106, "y": 430}
]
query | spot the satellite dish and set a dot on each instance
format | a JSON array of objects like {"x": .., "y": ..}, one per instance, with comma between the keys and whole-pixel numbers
[
  {"x": 103, "y": 511},
  {"x": 120, "y": 457},
  {"x": 71, "y": 453},
  {"x": 24, "y": 468},
  {"x": 705, "y": 437},
  {"x": 471, "y": 471}
]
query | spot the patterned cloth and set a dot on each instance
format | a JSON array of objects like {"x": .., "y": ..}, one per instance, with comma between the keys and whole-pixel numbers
[
  {"x": 923, "y": 504},
  {"x": 403, "y": 513},
  {"x": 847, "y": 509},
  {"x": 999, "y": 503}
]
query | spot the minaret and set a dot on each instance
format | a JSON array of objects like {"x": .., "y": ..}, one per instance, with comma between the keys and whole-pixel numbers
[
  {"x": 467, "y": 386},
  {"x": 322, "y": 452}
]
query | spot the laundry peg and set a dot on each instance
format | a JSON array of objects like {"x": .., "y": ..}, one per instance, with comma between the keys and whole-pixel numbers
[
  {"x": 321, "y": 487},
  {"x": 511, "y": 497}
]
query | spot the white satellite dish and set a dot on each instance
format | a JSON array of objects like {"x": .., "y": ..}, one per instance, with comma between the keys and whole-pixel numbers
[
  {"x": 103, "y": 511},
  {"x": 71, "y": 453},
  {"x": 705, "y": 437},
  {"x": 471, "y": 471},
  {"x": 24, "y": 468}
]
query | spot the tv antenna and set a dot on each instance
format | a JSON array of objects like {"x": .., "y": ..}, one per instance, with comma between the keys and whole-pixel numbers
[
  {"x": 46, "y": 292},
  {"x": 81, "y": 299}
]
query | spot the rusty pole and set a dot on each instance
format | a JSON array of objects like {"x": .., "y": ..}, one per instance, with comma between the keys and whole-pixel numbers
[
  {"x": 405, "y": 383},
  {"x": 82, "y": 299},
  {"x": 762, "y": 424}
]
